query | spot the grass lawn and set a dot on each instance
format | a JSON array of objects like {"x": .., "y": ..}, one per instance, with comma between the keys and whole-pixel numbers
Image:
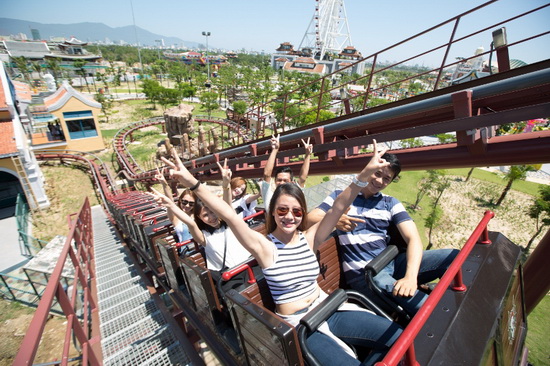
[{"x": 538, "y": 341}]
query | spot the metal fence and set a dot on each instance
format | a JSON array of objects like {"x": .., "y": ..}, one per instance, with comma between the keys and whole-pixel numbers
[{"x": 28, "y": 245}]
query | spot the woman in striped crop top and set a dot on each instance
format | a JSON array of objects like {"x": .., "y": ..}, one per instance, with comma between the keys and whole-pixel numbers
[{"x": 290, "y": 266}]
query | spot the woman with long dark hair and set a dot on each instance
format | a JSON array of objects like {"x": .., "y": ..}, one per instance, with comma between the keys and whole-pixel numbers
[{"x": 222, "y": 249}]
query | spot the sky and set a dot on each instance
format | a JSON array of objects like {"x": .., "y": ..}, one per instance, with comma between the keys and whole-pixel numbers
[{"x": 259, "y": 25}]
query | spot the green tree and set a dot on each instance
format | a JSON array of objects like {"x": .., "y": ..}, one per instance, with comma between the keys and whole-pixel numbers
[
  {"x": 439, "y": 187},
  {"x": 79, "y": 69},
  {"x": 106, "y": 104},
  {"x": 151, "y": 89},
  {"x": 412, "y": 142},
  {"x": 426, "y": 184},
  {"x": 239, "y": 108},
  {"x": 178, "y": 72},
  {"x": 168, "y": 97},
  {"x": 431, "y": 221},
  {"x": 162, "y": 68},
  {"x": 52, "y": 64},
  {"x": 516, "y": 172},
  {"x": 445, "y": 138},
  {"x": 118, "y": 72},
  {"x": 22, "y": 65},
  {"x": 540, "y": 211},
  {"x": 37, "y": 66},
  {"x": 208, "y": 102}
]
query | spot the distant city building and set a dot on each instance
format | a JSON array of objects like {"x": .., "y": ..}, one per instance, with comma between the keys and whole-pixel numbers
[
  {"x": 35, "y": 35},
  {"x": 20, "y": 36},
  {"x": 66, "y": 52}
]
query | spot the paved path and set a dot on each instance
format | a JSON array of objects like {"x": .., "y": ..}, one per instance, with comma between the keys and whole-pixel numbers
[{"x": 9, "y": 245}]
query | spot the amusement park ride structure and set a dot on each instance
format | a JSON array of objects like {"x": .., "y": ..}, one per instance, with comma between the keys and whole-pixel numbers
[
  {"x": 479, "y": 319},
  {"x": 328, "y": 30}
]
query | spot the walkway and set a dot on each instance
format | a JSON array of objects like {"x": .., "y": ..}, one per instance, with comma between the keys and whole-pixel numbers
[
  {"x": 9, "y": 245},
  {"x": 133, "y": 328}
]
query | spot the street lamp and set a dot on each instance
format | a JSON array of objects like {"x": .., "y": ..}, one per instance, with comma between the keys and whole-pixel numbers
[{"x": 206, "y": 35}]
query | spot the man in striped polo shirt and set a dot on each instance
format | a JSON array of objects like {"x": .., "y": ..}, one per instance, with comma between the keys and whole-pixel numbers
[{"x": 363, "y": 235}]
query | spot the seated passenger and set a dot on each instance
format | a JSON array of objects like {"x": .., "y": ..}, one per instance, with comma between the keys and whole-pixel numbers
[
  {"x": 289, "y": 264},
  {"x": 244, "y": 204},
  {"x": 363, "y": 234},
  {"x": 282, "y": 174},
  {"x": 222, "y": 248},
  {"x": 186, "y": 201}
]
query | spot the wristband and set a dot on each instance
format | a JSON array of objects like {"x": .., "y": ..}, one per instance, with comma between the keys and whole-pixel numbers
[
  {"x": 358, "y": 183},
  {"x": 195, "y": 186}
]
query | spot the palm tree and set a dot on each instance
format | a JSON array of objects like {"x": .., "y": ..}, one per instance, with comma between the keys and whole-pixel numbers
[
  {"x": 79, "y": 66},
  {"x": 36, "y": 66},
  {"x": 516, "y": 172},
  {"x": 22, "y": 65},
  {"x": 540, "y": 211},
  {"x": 53, "y": 65}
]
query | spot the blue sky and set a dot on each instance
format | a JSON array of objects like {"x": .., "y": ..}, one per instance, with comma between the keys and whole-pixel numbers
[{"x": 262, "y": 25}]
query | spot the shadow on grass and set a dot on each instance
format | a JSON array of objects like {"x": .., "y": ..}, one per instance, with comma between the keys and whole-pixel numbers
[{"x": 485, "y": 203}]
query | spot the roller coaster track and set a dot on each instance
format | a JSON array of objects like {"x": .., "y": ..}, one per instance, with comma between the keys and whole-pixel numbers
[
  {"x": 472, "y": 110},
  {"x": 131, "y": 169},
  {"x": 102, "y": 178}
]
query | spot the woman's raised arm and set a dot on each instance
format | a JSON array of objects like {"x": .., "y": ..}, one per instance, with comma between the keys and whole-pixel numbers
[
  {"x": 253, "y": 241},
  {"x": 171, "y": 206}
]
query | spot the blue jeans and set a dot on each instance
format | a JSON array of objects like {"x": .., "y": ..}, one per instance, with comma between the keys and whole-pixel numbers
[
  {"x": 433, "y": 265},
  {"x": 357, "y": 328}
]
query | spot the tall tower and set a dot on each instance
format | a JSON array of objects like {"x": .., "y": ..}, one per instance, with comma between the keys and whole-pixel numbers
[{"x": 328, "y": 31}]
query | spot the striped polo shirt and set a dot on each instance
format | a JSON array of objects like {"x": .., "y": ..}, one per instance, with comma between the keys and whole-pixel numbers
[
  {"x": 370, "y": 238},
  {"x": 293, "y": 275}
]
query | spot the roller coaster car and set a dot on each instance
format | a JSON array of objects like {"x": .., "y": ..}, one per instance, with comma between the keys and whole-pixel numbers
[
  {"x": 204, "y": 290},
  {"x": 487, "y": 323},
  {"x": 487, "y": 319},
  {"x": 396, "y": 245},
  {"x": 265, "y": 338}
]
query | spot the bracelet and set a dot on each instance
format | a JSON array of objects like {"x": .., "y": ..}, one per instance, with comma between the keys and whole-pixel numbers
[
  {"x": 359, "y": 183},
  {"x": 195, "y": 186}
]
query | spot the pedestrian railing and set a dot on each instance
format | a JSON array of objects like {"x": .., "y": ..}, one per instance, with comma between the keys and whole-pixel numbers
[{"x": 78, "y": 301}]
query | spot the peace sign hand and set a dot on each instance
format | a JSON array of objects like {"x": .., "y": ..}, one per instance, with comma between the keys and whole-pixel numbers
[
  {"x": 275, "y": 145},
  {"x": 160, "y": 177},
  {"x": 179, "y": 171},
  {"x": 160, "y": 198},
  {"x": 308, "y": 146},
  {"x": 374, "y": 164},
  {"x": 226, "y": 173}
]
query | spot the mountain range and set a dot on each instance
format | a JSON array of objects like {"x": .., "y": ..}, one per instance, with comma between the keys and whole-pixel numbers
[{"x": 90, "y": 32}]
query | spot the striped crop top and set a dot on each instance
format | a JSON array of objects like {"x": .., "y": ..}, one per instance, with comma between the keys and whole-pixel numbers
[{"x": 293, "y": 275}]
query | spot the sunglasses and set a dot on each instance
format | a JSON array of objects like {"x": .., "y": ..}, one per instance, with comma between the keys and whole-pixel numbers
[
  {"x": 187, "y": 203},
  {"x": 296, "y": 212}
]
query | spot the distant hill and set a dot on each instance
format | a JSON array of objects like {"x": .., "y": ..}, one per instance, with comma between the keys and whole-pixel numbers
[{"x": 89, "y": 32}]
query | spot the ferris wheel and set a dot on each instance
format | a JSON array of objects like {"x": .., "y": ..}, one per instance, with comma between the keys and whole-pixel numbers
[{"x": 328, "y": 30}]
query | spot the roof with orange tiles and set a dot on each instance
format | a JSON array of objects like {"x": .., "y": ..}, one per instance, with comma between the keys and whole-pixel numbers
[
  {"x": 305, "y": 64},
  {"x": 23, "y": 91},
  {"x": 63, "y": 94},
  {"x": 7, "y": 141}
]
